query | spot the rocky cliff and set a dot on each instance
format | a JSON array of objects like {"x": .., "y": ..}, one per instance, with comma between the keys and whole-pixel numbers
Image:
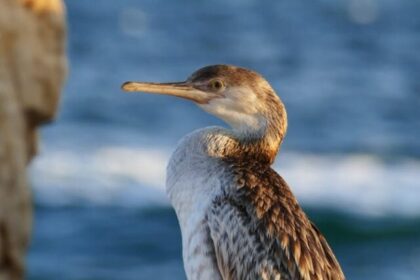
[{"x": 32, "y": 71}]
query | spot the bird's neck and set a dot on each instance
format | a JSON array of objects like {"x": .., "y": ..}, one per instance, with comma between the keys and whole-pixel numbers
[{"x": 256, "y": 145}]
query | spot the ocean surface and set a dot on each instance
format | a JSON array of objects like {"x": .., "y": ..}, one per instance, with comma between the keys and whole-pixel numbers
[{"x": 348, "y": 72}]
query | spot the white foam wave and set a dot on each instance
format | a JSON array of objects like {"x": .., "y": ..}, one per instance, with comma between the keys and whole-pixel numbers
[
  {"x": 135, "y": 177},
  {"x": 358, "y": 183},
  {"x": 107, "y": 176}
]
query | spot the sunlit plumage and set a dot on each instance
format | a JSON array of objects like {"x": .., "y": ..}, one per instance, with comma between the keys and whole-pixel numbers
[{"x": 238, "y": 217}]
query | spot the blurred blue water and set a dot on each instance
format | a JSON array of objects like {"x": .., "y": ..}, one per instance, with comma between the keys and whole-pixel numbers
[{"x": 348, "y": 72}]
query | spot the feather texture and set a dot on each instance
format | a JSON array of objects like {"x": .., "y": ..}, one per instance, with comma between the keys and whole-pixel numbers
[{"x": 260, "y": 232}]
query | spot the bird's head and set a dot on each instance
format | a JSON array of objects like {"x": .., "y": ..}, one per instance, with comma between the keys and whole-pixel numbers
[{"x": 240, "y": 97}]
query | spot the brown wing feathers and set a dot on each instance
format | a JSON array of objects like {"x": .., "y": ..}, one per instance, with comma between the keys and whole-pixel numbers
[{"x": 279, "y": 223}]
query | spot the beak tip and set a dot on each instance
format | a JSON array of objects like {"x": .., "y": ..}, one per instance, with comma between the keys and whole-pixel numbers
[{"x": 127, "y": 86}]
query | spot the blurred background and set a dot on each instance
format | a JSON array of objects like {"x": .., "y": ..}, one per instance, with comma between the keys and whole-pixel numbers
[{"x": 348, "y": 72}]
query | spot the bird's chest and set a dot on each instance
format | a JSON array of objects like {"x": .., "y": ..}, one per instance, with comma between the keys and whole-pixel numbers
[
  {"x": 193, "y": 181},
  {"x": 198, "y": 248}
]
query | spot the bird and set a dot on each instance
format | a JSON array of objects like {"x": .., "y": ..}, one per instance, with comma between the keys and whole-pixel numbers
[{"x": 238, "y": 218}]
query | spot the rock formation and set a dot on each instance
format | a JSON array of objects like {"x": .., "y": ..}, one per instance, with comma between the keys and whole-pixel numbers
[{"x": 32, "y": 71}]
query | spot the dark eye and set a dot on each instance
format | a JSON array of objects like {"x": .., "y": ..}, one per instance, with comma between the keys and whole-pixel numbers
[{"x": 216, "y": 85}]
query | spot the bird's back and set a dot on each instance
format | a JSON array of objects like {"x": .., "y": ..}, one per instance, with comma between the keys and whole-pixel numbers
[{"x": 260, "y": 232}]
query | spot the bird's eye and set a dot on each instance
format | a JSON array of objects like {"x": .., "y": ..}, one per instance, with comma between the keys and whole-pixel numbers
[{"x": 216, "y": 85}]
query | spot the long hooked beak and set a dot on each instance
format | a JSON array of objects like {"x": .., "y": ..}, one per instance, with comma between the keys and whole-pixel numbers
[{"x": 180, "y": 89}]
